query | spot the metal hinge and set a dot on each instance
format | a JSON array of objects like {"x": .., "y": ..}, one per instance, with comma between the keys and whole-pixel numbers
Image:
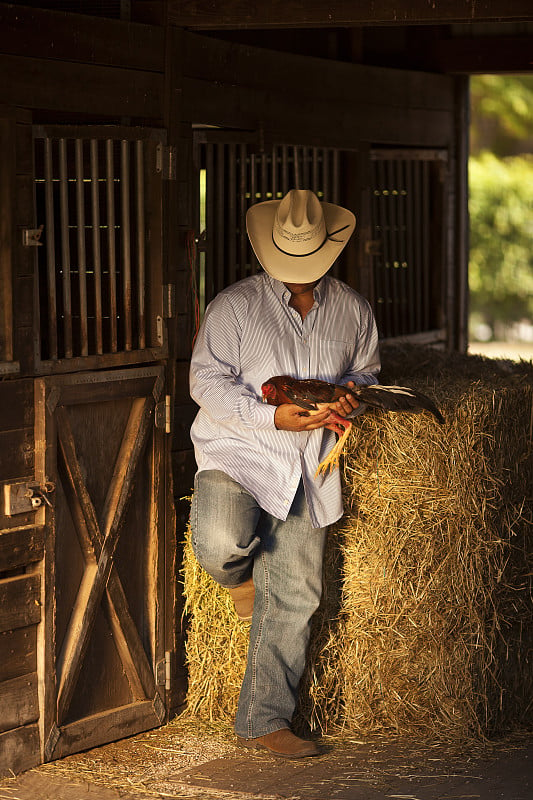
[
  {"x": 169, "y": 300},
  {"x": 165, "y": 161},
  {"x": 373, "y": 247},
  {"x": 162, "y": 671},
  {"x": 31, "y": 236},
  {"x": 162, "y": 414},
  {"x": 160, "y": 330}
]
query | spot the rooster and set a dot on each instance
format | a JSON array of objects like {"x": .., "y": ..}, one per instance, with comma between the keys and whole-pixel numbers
[{"x": 316, "y": 395}]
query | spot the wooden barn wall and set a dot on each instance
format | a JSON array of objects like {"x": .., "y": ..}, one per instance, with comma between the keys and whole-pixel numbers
[
  {"x": 326, "y": 102},
  {"x": 109, "y": 72}
]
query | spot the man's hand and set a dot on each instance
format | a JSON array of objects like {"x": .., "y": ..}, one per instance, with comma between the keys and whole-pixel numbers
[
  {"x": 347, "y": 403},
  {"x": 290, "y": 417}
]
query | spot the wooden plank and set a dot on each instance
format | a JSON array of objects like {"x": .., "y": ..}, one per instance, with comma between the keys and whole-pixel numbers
[
  {"x": 20, "y": 603},
  {"x": 19, "y": 750},
  {"x": 16, "y": 402},
  {"x": 7, "y": 182},
  {"x": 19, "y": 547},
  {"x": 46, "y": 466},
  {"x": 19, "y": 702},
  {"x": 468, "y": 55},
  {"x": 94, "y": 40},
  {"x": 19, "y": 652},
  {"x": 107, "y": 726},
  {"x": 95, "y": 362},
  {"x": 84, "y": 88},
  {"x": 243, "y": 66},
  {"x": 16, "y": 454},
  {"x": 313, "y": 13},
  {"x": 319, "y": 120}
]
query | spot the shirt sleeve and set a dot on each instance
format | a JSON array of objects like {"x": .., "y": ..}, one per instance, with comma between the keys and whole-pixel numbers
[
  {"x": 366, "y": 363},
  {"x": 215, "y": 370}
]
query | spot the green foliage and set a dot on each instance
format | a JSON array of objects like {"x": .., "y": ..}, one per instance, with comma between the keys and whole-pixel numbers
[
  {"x": 501, "y": 237},
  {"x": 501, "y": 114}
]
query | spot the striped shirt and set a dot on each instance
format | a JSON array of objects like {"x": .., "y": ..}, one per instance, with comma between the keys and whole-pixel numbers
[{"x": 249, "y": 334}]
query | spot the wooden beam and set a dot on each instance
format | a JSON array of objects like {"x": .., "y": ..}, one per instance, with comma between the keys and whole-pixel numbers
[
  {"x": 317, "y": 79},
  {"x": 240, "y": 86},
  {"x": 67, "y": 86},
  {"x": 481, "y": 54},
  {"x": 41, "y": 33},
  {"x": 204, "y": 14},
  {"x": 19, "y": 702},
  {"x": 19, "y": 750}
]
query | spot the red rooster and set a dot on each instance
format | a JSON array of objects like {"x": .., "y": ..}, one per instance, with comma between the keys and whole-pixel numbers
[{"x": 315, "y": 395}]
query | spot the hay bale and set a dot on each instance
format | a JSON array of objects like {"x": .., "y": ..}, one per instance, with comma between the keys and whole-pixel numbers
[{"x": 425, "y": 625}]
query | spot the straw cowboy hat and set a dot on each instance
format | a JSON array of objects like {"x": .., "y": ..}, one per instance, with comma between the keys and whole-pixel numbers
[{"x": 297, "y": 239}]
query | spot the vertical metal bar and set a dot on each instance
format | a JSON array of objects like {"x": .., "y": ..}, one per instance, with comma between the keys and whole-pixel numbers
[
  {"x": 326, "y": 175},
  {"x": 111, "y": 245},
  {"x": 404, "y": 308},
  {"x": 284, "y": 169},
  {"x": 393, "y": 244},
  {"x": 417, "y": 241},
  {"x": 336, "y": 178},
  {"x": 315, "y": 185},
  {"x": 263, "y": 188},
  {"x": 97, "y": 258},
  {"x": 426, "y": 266},
  {"x": 82, "y": 262},
  {"x": 377, "y": 261},
  {"x": 50, "y": 249},
  {"x": 274, "y": 172},
  {"x": 243, "y": 238},
  {"x": 210, "y": 223},
  {"x": 65, "y": 247},
  {"x": 305, "y": 167},
  {"x": 388, "y": 329},
  {"x": 297, "y": 180},
  {"x": 126, "y": 241},
  {"x": 232, "y": 214},
  {"x": 402, "y": 235},
  {"x": 220, "y": 183},
  {"x": 409, "y": 249},
  {"x": 141, "y": 243},
  {"x": 253, "y": 199}
]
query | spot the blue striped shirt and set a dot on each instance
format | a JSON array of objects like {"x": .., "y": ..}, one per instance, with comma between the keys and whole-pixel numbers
[{"x": 249, "y": 334}]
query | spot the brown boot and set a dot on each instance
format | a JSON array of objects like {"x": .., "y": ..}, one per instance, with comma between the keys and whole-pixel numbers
[
  {"x": 243, "y": 599},
  {"x": 282, "y": 743}
]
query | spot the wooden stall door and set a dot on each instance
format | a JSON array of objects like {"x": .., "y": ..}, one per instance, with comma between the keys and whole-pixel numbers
[{"x": 102, "y": 643}]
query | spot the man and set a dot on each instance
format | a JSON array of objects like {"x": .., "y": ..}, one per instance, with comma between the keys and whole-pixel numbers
[{"x": 259, "y": 517}]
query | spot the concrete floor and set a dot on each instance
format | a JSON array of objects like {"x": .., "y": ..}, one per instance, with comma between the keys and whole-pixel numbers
[{"x": 169, "y": 763}]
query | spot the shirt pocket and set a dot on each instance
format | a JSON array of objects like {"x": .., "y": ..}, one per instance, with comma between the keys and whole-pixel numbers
[{"x": 332, "y": 358}]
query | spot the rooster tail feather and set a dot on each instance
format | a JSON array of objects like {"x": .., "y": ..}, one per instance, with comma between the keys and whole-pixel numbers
[{"x": 397, "y": 398}]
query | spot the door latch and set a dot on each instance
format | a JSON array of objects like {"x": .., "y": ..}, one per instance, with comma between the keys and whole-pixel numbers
[{"x": 19, "y": 498}]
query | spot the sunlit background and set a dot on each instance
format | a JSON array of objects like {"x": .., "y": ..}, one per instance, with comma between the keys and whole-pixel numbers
[{"x": 501, "y": 216}]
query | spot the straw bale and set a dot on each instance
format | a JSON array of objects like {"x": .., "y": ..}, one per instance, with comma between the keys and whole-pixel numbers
[{"x": 425, "y": 626}]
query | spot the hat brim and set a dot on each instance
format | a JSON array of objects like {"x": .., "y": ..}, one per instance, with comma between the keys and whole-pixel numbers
[{"x": 297, "y": 269}]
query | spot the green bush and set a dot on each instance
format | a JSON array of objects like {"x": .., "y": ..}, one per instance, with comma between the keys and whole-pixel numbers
[{"x": 501, "y": 238}]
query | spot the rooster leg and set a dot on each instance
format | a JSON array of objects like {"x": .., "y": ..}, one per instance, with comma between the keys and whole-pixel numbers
[{"x": 343, "y": 427}]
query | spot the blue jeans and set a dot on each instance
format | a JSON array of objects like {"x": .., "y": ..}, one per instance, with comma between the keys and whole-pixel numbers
[{"x": 234, "y": 539}]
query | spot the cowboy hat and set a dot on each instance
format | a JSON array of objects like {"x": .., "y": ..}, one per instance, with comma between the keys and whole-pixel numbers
[{"x": 297, "y": 239}]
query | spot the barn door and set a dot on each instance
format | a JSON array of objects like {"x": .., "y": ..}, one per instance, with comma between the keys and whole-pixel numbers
[{"x": 100, "y": 453}]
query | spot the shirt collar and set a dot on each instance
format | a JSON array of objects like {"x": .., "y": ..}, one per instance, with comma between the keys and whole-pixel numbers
[{"x": 283, "y": 294}]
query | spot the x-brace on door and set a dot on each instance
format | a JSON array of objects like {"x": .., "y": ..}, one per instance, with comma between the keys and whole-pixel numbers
[{"x": 103, "y": 588}]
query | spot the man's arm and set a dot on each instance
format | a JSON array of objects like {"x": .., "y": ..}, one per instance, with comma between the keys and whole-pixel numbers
[{"x": 215, "y": 367}]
